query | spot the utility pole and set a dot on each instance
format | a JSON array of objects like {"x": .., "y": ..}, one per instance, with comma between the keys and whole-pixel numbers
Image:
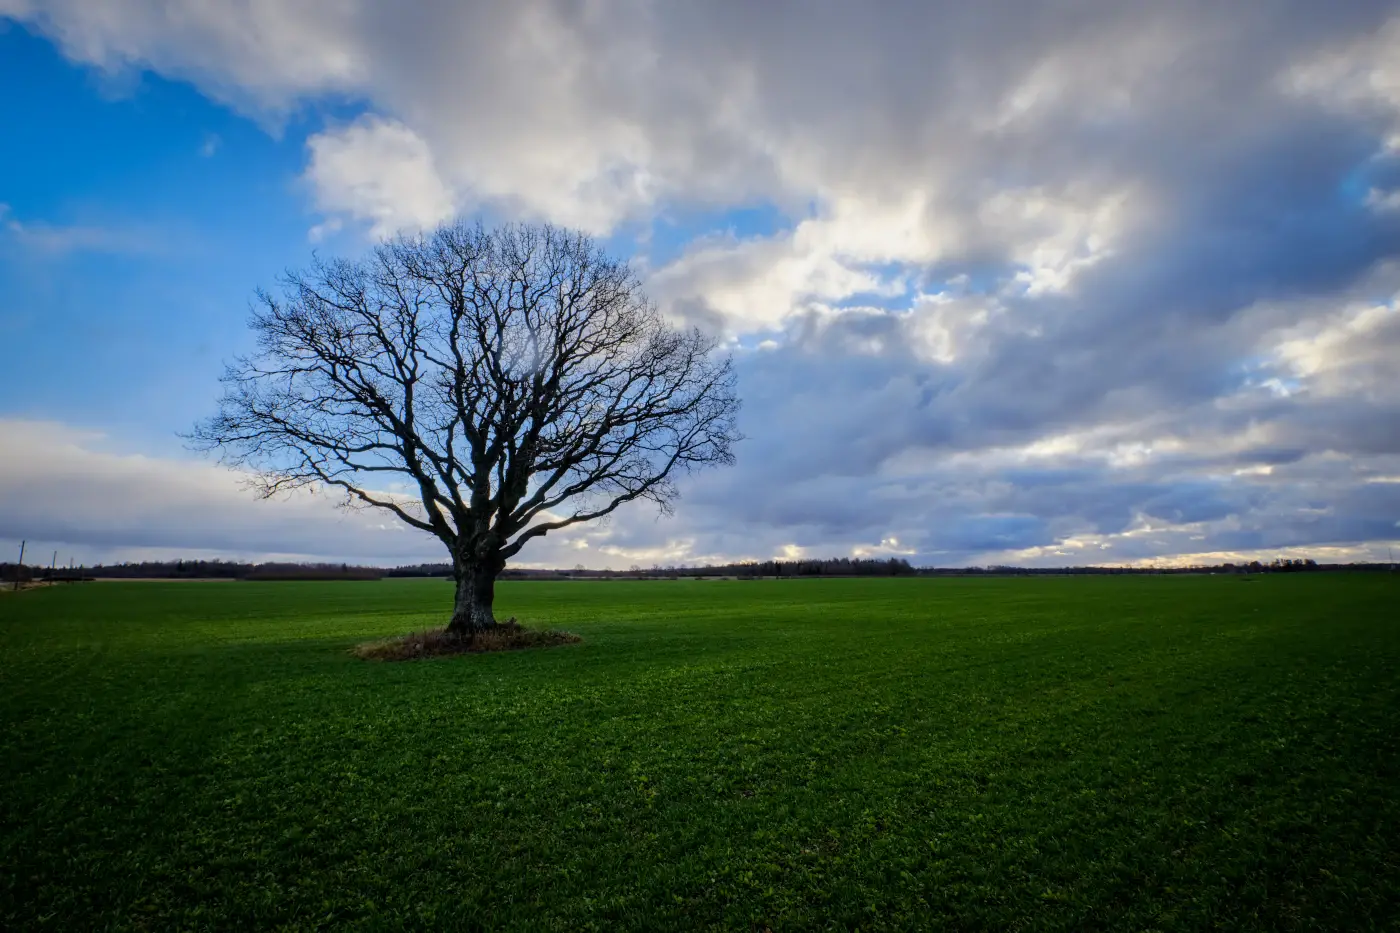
[{"x": 19, "y": 570}]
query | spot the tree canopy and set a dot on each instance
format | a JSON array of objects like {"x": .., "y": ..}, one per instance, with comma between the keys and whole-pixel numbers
[{"x": 485, "y": 386}]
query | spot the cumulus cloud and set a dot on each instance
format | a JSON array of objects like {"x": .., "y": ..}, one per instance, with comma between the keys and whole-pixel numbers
[
  {"x": 381, "y": 172},
  {"x": 1051, "y": 281}
]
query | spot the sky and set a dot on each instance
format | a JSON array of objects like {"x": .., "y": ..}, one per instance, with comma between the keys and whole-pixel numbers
[{"x": 1012, "y": 282}]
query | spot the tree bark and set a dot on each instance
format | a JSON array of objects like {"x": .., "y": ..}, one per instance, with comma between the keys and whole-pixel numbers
[{"x": 476, "y": 591}]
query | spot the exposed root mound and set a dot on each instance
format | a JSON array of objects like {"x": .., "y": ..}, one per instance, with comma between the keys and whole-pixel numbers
[{"x": 437, "y": 642}]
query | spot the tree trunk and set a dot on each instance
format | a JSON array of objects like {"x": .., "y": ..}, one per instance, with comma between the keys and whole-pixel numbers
[{"x": 476, "y": 591}]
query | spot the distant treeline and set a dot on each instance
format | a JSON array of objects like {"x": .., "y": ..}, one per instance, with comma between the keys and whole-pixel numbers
[
  {"x": 898, "y": 567},
  {"x": 200, "y": 570},
  {"x": 423, "y": 570},
  {"x": 889, "y": 567},
  {"x": 833, "y": 567},
  {"x": 1281, "y": 565}
]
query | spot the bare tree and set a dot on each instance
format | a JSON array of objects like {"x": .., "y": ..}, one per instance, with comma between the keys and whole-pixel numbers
[{"x": 514, "y": 381}]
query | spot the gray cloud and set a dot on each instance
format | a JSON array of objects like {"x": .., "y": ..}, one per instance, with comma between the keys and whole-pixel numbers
[{"x": 1060, "y": 281}]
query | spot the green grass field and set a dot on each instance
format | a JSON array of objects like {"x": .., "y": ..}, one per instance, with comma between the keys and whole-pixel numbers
[{"x": 1149, "y": 753}]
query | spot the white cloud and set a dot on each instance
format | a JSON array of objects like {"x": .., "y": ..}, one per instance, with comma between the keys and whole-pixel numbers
[
  {"x": 381, "y": 172},
  {"x": 757, "y": 284},
  {"x": 60, "y": 240},
  {"x": 1379, "y": 200},
  {"x": 1347, "y": 353},
  {"x": 257, "y": 53},
  {"x": 1355, "y": 71}
]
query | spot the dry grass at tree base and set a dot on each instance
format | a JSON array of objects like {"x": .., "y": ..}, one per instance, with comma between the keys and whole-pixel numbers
[{"x": 438, "y": 642}]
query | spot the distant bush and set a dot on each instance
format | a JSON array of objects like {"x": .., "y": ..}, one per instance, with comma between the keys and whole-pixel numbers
[{"x": 313, "y": 572}]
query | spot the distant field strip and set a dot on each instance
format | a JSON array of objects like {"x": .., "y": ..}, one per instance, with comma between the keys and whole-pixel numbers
[{"x": 1128, "y": 753}]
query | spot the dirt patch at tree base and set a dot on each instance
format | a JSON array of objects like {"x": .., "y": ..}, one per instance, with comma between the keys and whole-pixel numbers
[{"x": 438, "y": 642}]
